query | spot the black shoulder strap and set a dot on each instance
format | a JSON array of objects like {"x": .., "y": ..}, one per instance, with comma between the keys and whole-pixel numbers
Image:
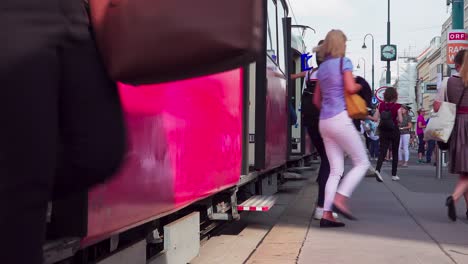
[
  {"x": 341, "y": 65},
  {"x": 461, "y": 97}
]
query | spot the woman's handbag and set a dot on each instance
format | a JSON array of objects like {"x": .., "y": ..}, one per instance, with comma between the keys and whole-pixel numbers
[
  {"x": 355, "y": 105},
  {"x": 148, "y": 41},
  {"x": 441, "y": 124}
]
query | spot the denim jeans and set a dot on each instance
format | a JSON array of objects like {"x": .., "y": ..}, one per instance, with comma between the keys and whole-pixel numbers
[{"x": 374, "y": 148}]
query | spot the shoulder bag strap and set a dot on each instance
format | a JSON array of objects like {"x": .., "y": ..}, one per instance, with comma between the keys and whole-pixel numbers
[
  {"x": 461, "y": 97},
  {"x": 445, "y": 94},
  {"x": 341, "y": 66},
  {"x": 341, "y": 71}
]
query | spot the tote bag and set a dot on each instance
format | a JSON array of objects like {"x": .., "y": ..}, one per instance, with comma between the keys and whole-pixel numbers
[{"x": 442, "y": 122}]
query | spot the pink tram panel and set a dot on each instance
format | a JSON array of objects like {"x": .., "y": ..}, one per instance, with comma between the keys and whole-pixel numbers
[
  {"x": 276, "y": 117},
  {"x": 184, "y": 145}
]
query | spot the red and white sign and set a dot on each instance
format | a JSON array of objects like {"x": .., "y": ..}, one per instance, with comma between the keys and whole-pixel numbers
[
  {"x": 457, "y": 40},
  {"x": 380, "y": 92}
]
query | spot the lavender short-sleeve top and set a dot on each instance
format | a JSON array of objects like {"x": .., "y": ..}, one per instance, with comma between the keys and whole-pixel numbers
[{"x": 331, "y": 81}]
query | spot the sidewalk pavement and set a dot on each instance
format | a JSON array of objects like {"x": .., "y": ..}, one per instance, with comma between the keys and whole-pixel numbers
[{"x": 399, "y": 222}]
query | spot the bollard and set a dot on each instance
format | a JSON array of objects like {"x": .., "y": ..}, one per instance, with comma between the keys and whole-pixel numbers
[
  {"x": 438, "y": 163},
  {"x": 444, "y": 159}
]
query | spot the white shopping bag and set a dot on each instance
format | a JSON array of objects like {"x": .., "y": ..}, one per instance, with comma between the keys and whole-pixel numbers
[{"x": 441, "y": 124}]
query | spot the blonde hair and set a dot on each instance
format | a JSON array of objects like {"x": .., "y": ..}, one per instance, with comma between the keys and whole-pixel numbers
[
  {"x": 334, "y": 45},
  {"x": 464, "y": 69}
]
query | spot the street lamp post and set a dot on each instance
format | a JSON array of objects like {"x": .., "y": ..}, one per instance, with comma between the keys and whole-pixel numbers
[
  {"x": 358, "y": 66},
  {"x": 389, "y": 74},
  {"x": 364, "y": 47}
]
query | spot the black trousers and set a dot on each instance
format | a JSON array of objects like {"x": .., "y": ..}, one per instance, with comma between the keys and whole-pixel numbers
[
  {"x": 324, "y": 171},
  {"x": 387, "y": 140},
  {"x": 421, "y": 145},
  {"x": 61, "y": 122}
]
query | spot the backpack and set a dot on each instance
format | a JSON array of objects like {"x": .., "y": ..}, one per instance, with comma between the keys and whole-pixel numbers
[{"x": 386, "y": 120}]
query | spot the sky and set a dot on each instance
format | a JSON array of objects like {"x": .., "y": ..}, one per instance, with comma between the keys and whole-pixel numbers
[{"x": 413, "y": 25}]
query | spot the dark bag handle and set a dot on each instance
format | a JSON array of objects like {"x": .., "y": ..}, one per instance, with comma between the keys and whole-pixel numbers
[{"x": 461, "y": 97}]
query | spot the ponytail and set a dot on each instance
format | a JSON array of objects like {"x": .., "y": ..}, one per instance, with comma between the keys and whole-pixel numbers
[{"x": 464, "y": 69}]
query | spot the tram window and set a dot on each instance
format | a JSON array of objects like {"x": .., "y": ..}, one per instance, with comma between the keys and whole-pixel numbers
[
  {"x": 281, "y": 37},
  {"x": 272, "y": 32}
]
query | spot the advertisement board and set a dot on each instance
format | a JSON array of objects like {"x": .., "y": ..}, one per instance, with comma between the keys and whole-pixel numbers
[{"x": 457, "y": 40}]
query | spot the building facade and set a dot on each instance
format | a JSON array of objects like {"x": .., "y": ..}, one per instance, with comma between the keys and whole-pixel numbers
[
  {"x": 444, "y": 35},
  {"x": 429, "y": 74}
]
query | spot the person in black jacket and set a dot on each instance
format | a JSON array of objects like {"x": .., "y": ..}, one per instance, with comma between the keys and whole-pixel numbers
[
  {"x": 62, "y": 123},
  {"x": 366, "y": 94},
  {"x": 310, "y": 119}
]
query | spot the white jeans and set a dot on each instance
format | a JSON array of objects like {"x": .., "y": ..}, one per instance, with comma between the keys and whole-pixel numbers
[
  {"x": 404, "y": 147},
  {"x": 339, "y": 136}
]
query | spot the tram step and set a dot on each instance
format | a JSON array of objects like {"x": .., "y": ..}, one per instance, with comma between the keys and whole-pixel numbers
[
  {"x": 259, "y": 203},
  {"x": 292, "y": 176}
]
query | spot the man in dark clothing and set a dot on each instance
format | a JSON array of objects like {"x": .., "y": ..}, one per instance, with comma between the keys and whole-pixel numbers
[
  {"x": 366, "y": 94},
  {"x": 310, "y": 119},
  {"x": 62, "y": 125}
]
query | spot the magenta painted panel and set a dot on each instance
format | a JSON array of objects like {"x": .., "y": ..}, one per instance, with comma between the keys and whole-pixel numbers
[
  {"x": 184, "y": 145},
  {"x": 309, "y": 145},
  {"x": 276, "y": 117}
]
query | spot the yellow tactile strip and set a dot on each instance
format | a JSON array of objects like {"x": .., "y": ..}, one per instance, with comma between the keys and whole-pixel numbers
[{"x": 284, "y": 242}]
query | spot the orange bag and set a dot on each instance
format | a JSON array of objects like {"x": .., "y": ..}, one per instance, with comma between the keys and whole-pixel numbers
[{"x": 356, "y": 106}]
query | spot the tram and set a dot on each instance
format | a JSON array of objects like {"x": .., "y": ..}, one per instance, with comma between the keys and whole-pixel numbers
[{"x": 201, "y": 151}]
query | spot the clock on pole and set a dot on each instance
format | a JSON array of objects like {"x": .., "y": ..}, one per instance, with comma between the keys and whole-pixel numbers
[{"x": 388, "y": 52}]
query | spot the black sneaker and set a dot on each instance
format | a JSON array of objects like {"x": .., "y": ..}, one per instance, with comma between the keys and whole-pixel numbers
[
  {"x": 452, "y": 212},
  {"x": 378, "y": 177}
]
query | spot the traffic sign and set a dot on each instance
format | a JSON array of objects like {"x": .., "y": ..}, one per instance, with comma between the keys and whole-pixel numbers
[
  {"x": 374, "y": 100},
  {"x": 380, "y": 92}
]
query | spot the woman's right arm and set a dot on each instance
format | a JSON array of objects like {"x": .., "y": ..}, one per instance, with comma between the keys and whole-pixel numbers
[
  {"x": 298, "y": 75},
  {"x": 421, "y": 124},
  {"x": 375, "y": 117},
  {"x": 436, "y": 105},
  {"x": 399, "y": 116}
]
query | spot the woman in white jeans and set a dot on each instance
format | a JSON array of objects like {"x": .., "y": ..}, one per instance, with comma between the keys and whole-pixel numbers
[
  {"x": 336, "y": 127},
  {"x": 405, "y": 135}
]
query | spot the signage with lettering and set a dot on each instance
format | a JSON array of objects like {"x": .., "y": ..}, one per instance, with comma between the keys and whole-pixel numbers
[
  {"x": 430, "y": 88},
  {"x": 457, "y": 40}
]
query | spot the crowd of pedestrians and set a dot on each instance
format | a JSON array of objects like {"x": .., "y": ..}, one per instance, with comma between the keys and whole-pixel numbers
[{"x": 388, "y": 129}]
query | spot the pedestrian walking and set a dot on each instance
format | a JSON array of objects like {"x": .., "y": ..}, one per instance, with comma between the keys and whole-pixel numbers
[
  {"x": 430, "y": 147},
  {"x": 310, "y": 119},
  {"x": 371, "y": 131},
  {"x": 458, "y": 147},
  {"x": 390, "y": 115},
  {"x": 335, "y": 76},
  {"x": 62, "y": 124},
  {"x": 430, "y": 150},
  {"x": 421, "y": 125},
  {"x": 405, "y": 131}
]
